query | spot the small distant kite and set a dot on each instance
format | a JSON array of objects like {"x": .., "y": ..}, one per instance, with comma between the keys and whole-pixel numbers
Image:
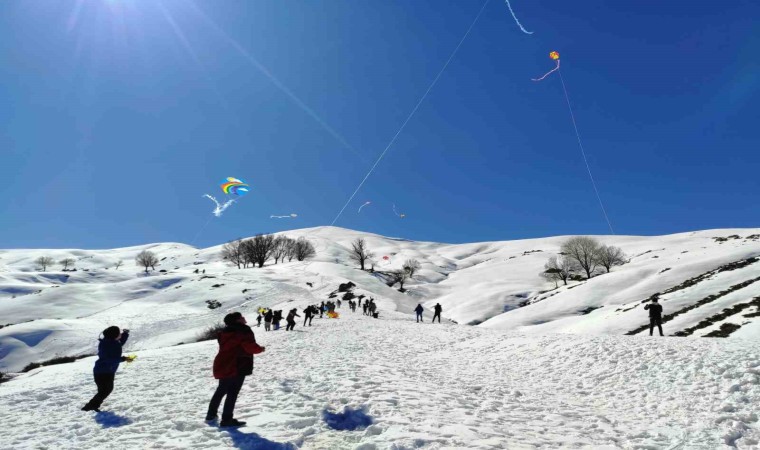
[
  {"x": 400, "y": 215},
  {"x": 554, "y": 56},
  {"x": 365, "y": 204},
  {"x": 233, "y": 188},
  {"x": 289, "y": 216},
  {"x": 515, "y": 17}
]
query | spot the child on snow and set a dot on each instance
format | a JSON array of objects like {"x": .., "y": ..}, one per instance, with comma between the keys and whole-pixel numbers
[{"x": 109, "y": 358}]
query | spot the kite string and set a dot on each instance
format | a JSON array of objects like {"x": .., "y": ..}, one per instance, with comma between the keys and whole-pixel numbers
[
  {"x": 583, "y": 152},
  {"x": 414, "y": 110}
]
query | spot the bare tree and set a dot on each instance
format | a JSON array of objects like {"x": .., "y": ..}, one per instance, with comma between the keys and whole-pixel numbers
[
  {"x": 559, "y": 269},
  {"x": 360, "y": 253},
  {"x": 411, "y": 266},
  {"x": 304, "y": 249},
  {"x": 584, "y": 251},
  {"x": 279, "y": 248},
  {"x": 147, "y": 259},
  {"x": 610, "y": 256},
  {"x": 290, "y": 249},
  {"x": 44, "y": 262},
  {"x": 399, "y": 276},
  {"x": 66, "y": 262},
  {"x": 118, "y": 264},
  {"x": 233, "y": 252},
  {"x": 259, "y": 249}
]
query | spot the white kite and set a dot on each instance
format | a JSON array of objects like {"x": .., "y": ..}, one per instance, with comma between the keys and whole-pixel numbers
[
  {"x": 289, "y": 216},
  {"x": 400, "y": 215},
  {"x": 365, "y": 204},
  {"x": 219, "y": 208}
]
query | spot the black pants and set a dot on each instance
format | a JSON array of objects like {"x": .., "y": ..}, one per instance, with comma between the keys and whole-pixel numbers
[
  {"x": 291, "y": 325},
  {"x": 438, "y": 315},
  {"x": 229, "y": 387},
  {"x": 104, "y": 381},
  {"x": 419, "y": 317},
  {"x": 655, "y": 321}
]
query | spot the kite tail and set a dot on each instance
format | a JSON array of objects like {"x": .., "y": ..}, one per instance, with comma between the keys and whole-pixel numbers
[
  {"x": 547, "y": 73},
  {"x": 515, "y": 17}
]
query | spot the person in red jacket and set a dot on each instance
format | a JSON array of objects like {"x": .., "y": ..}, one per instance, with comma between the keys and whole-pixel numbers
[{"x": 232, "y": 364}]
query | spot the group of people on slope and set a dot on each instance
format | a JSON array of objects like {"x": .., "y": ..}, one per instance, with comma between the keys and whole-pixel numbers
[
  {"x": 237, "y": 345},
  {"x": 438, "y": 309}
]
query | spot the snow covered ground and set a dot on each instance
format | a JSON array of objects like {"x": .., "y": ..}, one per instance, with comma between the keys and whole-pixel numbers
[
  {"x": 541, "y": 367},
  {"x": 421, "y": 385}
]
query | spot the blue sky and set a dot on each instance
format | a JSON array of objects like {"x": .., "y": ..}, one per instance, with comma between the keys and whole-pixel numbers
[{"x": 118, "y": 115}]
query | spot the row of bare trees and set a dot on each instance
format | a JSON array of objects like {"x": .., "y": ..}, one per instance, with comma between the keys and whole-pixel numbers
[
  {"x": 262, "y": 247},
  {"x": 582, "y": 254}
]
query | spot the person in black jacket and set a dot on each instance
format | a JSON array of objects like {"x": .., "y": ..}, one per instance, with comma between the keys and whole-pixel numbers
[
  {"x": 291, "y": 319},
  {"x": 419, "y": 311},
  {"x": 232, "y": 364},
  {"x": 308, "y": 314},
  {"x": 109, "y": 358},
  {"x": 268, "y": 320},
  {"x": 655, "y": 316},
  {"x": 438, "y": 309}
]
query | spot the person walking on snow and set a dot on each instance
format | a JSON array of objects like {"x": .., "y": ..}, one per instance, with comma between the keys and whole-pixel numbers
[
  {"x": 291, "y": 319},
  {"x": 268, "y": 320},
  {"x": 321, "y": 310},
  {"x": 232, "y": 364},
  {"x": 258, "y": 320},
  {"x": 438, "y": 309},
  {"x": 307, "y": 315},
  {"x": 419, "y": 310},
  {"x": 109, "y": 358},
  {"x": 655, "y": 316},
  {"x": 276, "y": 319}
]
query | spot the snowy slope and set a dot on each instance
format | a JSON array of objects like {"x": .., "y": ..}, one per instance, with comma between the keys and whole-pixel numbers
[
  {"x": 422, "y": 386},
  {"x": 57, "y": 313},
  {"x": 516, "y": 380}
]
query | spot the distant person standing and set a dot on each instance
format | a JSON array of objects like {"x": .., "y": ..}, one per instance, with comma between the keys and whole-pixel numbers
[
  {"x": 109, "y": 358},
  {"x": 268, "y": 320},
  {"x": 258, "y": 320},
  {"x": 655, "y": 316},
  {"x": 419, "y": 309},
  {"x": 307, "y": 315},
  {"x": 438, "y": 310},
  {"x": 232, "y": 364}
]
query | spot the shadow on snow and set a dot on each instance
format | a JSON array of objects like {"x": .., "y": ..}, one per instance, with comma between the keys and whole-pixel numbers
[
  {"x": 350, "y": 419},
  {"x": 252, "y": 441},
  {"x": 107, "y": 419}
]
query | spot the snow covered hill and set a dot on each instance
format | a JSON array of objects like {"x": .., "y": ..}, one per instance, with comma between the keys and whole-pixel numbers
[
  {"x": 516, "y": 363},
  {"x": 493, "y": 284}
]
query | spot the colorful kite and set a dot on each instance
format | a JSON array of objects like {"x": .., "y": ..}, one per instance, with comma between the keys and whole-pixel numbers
[
  {"x": 233, "y": 186},
  {"x": 130, "y": 358},
  {"x": 365, "y": 204},
  {"x": 515, "y": 17},
  {"x": 554, "y": 56},
  {"x": 333, "y": 315},
  {"x": 289, "y": 216}
]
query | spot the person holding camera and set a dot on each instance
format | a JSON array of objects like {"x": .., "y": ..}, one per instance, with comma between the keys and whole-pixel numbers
[
  {"x": 109, "y": 358},
  {"x": 655, "y": 316}
]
